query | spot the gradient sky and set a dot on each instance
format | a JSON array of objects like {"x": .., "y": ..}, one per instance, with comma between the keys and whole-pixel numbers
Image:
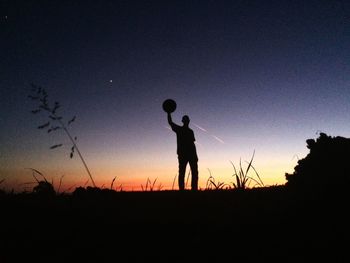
[{"x": 259, "y": 76}]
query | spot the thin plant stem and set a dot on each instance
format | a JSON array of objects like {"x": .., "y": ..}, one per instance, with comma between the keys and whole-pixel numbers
[{"x": 76, "y": 147}]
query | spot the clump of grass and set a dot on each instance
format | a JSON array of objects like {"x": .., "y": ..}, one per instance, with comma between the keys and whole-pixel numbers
[
  {"x": 242, "y": 179},
  {"x": 150, "y": 186},
  {"x": 116, "y": 187},
  {"x": 56, "y": 122},
  {"x": 213, "y": 185},
  {"x": 43, "y": 187}
]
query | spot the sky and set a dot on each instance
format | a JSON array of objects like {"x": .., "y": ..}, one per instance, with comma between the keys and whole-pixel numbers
[{"x": 253, "y": 76}]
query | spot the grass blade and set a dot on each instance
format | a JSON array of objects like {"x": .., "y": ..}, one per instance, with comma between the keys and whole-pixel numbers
[
  {"x": 172, "y": 188},
  {"x": 262, "y": 183},
  {"x": 250, "y": 163},
  {"x": 113, "y": 182}
]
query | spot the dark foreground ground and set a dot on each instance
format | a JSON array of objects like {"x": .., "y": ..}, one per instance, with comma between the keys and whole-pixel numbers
[{"x": 260, "y": 225}]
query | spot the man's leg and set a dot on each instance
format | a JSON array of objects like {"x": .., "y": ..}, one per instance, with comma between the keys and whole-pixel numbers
[
  {"x": 182, "y": 170},
  {"x": 194, "y": 172}
]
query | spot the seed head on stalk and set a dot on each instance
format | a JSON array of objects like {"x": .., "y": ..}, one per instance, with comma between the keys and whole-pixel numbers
[{"x": 55, "y": 122}]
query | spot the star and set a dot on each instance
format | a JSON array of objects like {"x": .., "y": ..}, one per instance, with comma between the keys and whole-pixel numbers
[{"x": 111, "y": 80}]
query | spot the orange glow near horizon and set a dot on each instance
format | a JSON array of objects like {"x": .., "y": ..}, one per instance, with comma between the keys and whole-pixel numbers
[
  {"x": 132, "y": 170},
  {"x": 133, "y": 179}
]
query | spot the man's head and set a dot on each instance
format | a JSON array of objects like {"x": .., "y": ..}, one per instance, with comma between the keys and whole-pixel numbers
[{"x": 185, "y": 120}]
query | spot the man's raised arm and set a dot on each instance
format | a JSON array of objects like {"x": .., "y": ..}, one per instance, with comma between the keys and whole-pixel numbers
[{"x": 170, "y": 120}]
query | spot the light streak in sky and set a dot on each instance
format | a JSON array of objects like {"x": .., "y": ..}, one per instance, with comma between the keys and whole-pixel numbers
[
  {"x": 199, "y": 127},
  {"x": 218, "y": 139},
  {"x": 204, "y": 130},
  {"x": 212, "y": 135}
]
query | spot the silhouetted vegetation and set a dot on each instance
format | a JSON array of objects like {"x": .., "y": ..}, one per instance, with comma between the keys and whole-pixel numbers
[
  {"x": 219, "y": 224},
  {"x": 43, "y": 187},
  {"x": 150, "y": 186},
  {"x": 242, "y": 178},
  {"x": 212, "y": 184},
  {"x": 325, "y": 168},
  {"x": 55, "y": 122}
]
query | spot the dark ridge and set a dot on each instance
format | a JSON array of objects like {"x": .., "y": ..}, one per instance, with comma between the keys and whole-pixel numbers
[
  {"x": 325, "y": 170},
  {"x": 102, "y": 225}
]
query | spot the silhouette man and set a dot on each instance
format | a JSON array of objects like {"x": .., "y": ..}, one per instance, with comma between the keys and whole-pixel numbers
[{"x": 186, "y": 151}]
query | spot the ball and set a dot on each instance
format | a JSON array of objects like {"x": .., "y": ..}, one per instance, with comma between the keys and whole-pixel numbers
[{"x": 169, "y": 105}]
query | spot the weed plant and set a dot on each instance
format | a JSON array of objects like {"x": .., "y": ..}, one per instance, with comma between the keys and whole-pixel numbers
[
  {"x": 56, "y": 122},
  {"x": 213, "y": 185},
  {"x": 242, "y": 178}
]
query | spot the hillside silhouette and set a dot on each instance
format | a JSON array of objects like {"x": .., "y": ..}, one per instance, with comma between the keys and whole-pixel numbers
[
  {"x": 291, "y": 223},
  {"x": 325, "y": 169}
]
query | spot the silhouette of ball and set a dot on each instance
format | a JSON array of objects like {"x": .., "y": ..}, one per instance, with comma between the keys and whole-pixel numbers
[{"x": 169, "y": 105}]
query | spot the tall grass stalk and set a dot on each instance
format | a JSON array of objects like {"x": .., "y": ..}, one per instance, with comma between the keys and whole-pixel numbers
[
  {"x": 172, "y": 188},
  {"x": 60, "y": 184},
  {"x": 113, "y": 182},
  {"x": 56, "y": 122}
]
